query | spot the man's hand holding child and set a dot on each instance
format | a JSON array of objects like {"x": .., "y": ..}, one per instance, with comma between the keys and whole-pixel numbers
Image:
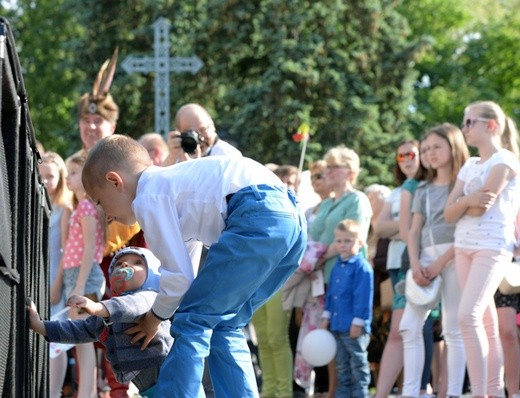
[{"x": 146, "y": 329}]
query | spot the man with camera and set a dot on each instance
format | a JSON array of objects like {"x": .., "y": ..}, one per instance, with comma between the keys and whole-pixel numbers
[{"x": 196, "y": 136}]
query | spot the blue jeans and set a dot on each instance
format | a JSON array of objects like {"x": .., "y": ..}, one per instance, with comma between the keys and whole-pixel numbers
[
  {"x": 259, "y": 249},
  {"x": 352, "y": 365}
]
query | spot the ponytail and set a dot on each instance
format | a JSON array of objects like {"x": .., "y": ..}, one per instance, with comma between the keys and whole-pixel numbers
[{"x": 510, "y": 137}]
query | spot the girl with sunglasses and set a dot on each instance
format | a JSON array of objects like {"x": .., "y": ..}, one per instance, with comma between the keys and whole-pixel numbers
[
  {"x": 408, "y": 171},
  {"x": 483, "y": 203}
]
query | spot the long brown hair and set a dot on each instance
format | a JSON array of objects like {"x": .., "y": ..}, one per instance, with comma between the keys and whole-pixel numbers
[{"x": 459, "y": 149}]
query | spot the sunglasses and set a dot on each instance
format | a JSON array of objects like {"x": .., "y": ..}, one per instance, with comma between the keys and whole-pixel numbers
[
  {"x": 469, "y": 123},
  {"x": 408, "y": 155},
  {"x": 316, "y": 176}
]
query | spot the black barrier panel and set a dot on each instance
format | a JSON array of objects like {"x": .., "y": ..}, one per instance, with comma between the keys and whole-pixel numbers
[{"x": 24, "y": 222}]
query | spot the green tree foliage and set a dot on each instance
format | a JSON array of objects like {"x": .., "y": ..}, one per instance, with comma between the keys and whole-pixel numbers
[
  {"x": 47, "y": 35},
  {"x": 442, "y": 24},
  {"x": 344, "y": 68},
  {"x": 472, "y": 57},
  {"x": 490, "y": 63},
  {"x": 365, "y": 74}
]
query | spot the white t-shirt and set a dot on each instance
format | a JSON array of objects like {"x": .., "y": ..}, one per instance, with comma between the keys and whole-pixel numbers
[
  {"x": 494, "y": 229},
  {"x": 182, "y": 205},
  {"x": 396, "y": 246}
]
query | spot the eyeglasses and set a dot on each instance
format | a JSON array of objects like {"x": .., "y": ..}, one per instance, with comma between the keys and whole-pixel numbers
[
  {"x": 204, "y": 129},
  {"x": 469, "y": 123},
  {"x": 336, "y": 166},
  {"x": 317, "y": 176},
  {"x": 408, "y": 155}
]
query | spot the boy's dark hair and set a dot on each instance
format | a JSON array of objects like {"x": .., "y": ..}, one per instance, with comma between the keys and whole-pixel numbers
[{"x": 113, "y": 153}]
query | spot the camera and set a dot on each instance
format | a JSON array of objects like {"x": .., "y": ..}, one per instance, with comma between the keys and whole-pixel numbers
[{"x": 190, "y": 140}]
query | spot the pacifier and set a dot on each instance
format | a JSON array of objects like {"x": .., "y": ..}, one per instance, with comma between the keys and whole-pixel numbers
[{"x": 119, "y": 278}]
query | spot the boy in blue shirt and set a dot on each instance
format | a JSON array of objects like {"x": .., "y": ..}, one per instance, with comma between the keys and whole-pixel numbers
[
  {"x": 348, "y": 311},
  {"x": 256, "y": 236}
]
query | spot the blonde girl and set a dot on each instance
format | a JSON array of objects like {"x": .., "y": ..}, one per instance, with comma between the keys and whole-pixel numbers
[
  {"x": 53, "y": 174},
  {"x": 430, "y": 248},
  {"x": 483, "y": 203},
  {"x": 82, "y": 274}
]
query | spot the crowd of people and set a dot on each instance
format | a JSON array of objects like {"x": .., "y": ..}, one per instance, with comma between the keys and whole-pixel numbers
[{"x": 237, "y": 250}]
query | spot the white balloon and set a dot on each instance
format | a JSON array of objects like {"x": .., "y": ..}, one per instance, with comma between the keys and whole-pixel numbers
[{"x": 318, "y": 347}]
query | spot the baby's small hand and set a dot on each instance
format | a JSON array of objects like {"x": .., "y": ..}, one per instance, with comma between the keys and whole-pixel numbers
[
  {"x": 35, "y": 323},
  {"x": 77, "y": 301},
  {"x": 81, "y": 302},
  {"x": 33, "y": 311}
]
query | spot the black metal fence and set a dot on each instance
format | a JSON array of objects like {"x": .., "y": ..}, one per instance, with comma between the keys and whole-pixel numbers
[{"x": 24, "y": 226}]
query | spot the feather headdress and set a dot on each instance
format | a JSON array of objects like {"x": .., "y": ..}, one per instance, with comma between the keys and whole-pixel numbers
[{"x": 99, "y": 101}]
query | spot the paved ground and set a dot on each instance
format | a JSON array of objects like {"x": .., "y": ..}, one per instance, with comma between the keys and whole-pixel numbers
[{"x": 134, "y": 393}]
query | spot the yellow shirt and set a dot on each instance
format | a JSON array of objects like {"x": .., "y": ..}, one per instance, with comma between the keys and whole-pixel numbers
[{"x": 118, "y": 236}]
